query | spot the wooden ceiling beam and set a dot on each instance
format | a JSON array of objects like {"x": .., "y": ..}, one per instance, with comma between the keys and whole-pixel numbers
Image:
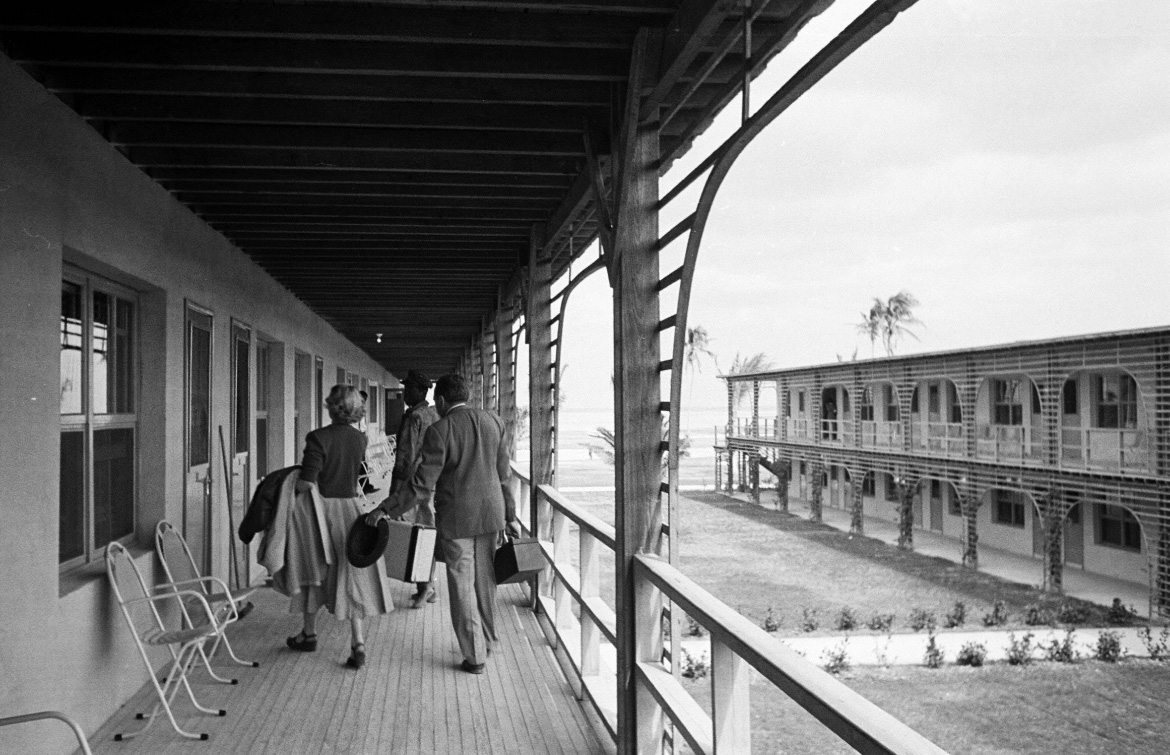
[
  {"x": 196, "y": 176},
  {"x": 372, "y": 23},
  {"x": 460, "y": 116},
  {"x": 440, "y": 162},
  {"x": 359, "y": 87},
  {"x": 342, "y": 139},
  {"x": 424, "y": 191},
  {"x": 243, "y": 55}
]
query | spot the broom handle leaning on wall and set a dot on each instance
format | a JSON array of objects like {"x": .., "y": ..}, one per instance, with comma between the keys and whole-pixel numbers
[{"x": 233, "y": 568}]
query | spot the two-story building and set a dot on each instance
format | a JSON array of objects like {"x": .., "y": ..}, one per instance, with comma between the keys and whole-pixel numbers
[{"x": 1058, "y": 448}]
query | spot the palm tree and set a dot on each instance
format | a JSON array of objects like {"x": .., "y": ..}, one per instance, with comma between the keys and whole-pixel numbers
[
  {"x": 745, "y": 366},
  {"x": 698, "y": 345},
  {"x": 890, "y": 319}
]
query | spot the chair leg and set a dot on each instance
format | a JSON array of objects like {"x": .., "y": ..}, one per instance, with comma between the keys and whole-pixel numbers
[
  {"x": 187, "y": 685},
  {"x": 207, "y": 656},
  {"x": 234, "y": 657},
  {"x": 166, "y": 695}
]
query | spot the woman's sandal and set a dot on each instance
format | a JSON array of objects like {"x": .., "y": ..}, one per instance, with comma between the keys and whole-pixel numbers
[
  {"x": 306, "y": 643},
  {"x": 357, "y": 656}
]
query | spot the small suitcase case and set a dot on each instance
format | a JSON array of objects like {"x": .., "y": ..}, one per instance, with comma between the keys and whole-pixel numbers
[
  {"x": 518, "y": 559},
  {"x": 410, "y": 552}
]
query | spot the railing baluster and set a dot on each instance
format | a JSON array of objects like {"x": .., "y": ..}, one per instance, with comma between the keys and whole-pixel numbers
[
  {"x": 730, "y": 701},
  {"x": 562, "y": 600},
  {"x": 590, "y": 588}
]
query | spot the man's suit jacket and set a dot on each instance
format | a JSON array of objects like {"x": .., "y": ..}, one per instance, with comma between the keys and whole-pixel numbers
[{"x": 464, "y": 462}]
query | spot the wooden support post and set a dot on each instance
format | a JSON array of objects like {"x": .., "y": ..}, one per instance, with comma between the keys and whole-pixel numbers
[
  {"x": 730, "y": 425},
  {"x": 475, "y": 397},
  {"x": 970, "y": 506},
  {"x": 856, "y": 502},
  {"x": 816, "y": 500},
  {"x": 505, "y": 374},
  {"x": 637, "y": 394},
  {"x": 730, "y": 701},
  {"x": 540, "y": 379},
  {"x": 906, "y": 489}
]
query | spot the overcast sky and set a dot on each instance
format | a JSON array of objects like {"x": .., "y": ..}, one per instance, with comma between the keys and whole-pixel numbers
[{"x": 1005, "y": 161}]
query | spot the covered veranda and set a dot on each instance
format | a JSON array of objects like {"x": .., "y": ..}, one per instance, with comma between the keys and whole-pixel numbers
[{"x": 425, "y": 178}]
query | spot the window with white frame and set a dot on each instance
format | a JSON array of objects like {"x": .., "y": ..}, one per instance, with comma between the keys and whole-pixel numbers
[
  {"x": 99, "y": 384},
  {"x": 1115, "y": 399},
  {"x": 1119, "y": 528},
  {"x": 1007, "y": 402},
  {"x": 1008, "y": 508},
  {"x": 867, "y": 404}
]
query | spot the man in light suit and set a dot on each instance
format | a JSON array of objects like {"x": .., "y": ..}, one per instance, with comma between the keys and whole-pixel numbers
[{"x": 465, "y": 464}]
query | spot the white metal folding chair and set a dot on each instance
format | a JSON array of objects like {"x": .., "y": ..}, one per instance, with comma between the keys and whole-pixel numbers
[
  {"x": 228, "y": 606},
  {"x": 140, "y": 607}
]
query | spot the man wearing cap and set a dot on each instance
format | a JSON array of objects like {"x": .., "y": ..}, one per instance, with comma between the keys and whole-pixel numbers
[
  {"x": 465, "y": 464},
  {"x": 418, "y": 417}
]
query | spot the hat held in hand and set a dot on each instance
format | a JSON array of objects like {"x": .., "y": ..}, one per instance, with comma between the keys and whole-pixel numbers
[{"x": 365, "y": 544}]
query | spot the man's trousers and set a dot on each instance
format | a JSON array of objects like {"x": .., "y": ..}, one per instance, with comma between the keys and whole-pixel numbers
[{"x": 471, "y": 582}]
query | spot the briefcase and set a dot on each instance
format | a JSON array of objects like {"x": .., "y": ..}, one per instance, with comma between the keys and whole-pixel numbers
[
  {"x": 410, "y": 552},
  {"x": 518, "y": 559}
]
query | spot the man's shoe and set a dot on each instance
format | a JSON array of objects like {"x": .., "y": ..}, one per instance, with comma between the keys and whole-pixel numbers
[
  {"x": 472, "y": 668},
  {"x": 357, "y": 656},
  {"x": 426, "y": 596}
]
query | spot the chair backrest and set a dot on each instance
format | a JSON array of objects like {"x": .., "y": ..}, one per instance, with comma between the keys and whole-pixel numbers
[
  {"x": 176, "y": 557},
  {"x": 128, "y": 585}
]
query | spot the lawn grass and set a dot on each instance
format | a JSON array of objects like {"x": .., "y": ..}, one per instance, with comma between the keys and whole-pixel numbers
[
  {"x": 1088, "y": 708},
  {"x": 753, "y": 558}
]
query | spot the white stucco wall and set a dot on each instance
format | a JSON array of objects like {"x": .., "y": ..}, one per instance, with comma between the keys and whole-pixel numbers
[{"x": 66, "y": 194}]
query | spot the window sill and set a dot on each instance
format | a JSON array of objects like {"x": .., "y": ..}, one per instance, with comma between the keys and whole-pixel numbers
[{"x": 80, "y": 576}]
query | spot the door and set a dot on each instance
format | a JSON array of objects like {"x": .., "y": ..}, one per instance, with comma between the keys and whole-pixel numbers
[
  {"x": 197, "y": 497},
  {"x": 936, "y": 506},
  {"x": 239, "y": 451},
  {"x": 1074, "y": 537}
]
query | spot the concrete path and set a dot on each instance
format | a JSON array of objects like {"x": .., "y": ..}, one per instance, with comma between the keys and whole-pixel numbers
[{"x": 1010, "y": 566}]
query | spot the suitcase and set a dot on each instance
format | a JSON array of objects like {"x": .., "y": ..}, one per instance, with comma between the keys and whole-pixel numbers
[
  {"x": 410, "y": 552},
  {"x": 518, "y": 559}
]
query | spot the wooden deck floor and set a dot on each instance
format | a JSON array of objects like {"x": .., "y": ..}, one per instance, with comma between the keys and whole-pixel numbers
[{"x": 410, "y": 698}]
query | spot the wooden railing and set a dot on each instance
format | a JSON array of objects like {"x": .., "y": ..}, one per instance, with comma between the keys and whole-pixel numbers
[{"x": 581, "y": 626}]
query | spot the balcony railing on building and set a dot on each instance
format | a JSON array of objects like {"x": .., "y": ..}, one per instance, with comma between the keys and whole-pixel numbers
[{"x": 1106, "y": 448}]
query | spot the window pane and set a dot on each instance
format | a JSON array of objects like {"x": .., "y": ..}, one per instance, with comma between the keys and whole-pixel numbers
[
  {"x": 103, "y": 365},
  {"x": 200, "y": 396},
  {"x": 124, "y": 359},
  {"x": 71, "y": 345},
  {"x": 113, "y": 485},
  {"x": 242, "y": 397},
  {"x": 261, "y": 446},
  {"x": 71, "y": 527}
]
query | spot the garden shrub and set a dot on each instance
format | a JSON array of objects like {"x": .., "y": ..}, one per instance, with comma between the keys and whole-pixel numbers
[
  {"x": 881, "y": 622},
  {"x": 846, "y": 619},
  {"x": 1062, "y": 651},
  {"x": 770, "y": 623},
  {"x": 809, "y": 621},
  {"x": 1072, "y": 613},
  {"x": 972, "y": 654},
  {"x": 998, "y": 616},
  {"x": 1019, "y": 650},
  {"x": 920, "y": 619},
  {"x": 1119, "y": 615},
  {"x": 693, "y": 667},
  {"x": 1037, "y": 615},
  {"x": 1157, "y": 648},
  {"x": 693, "y": 628},
  {"x": 836, "y": 659},
  {"x": 1108, "y": 648},
  {"x": 934, "y": 654},
  {"x": 957, "y": 616}
]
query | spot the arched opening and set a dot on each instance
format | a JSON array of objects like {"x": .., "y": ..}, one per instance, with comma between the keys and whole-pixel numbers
[
  {"x": 1103, "y": 422},
  {"x": 881, "y": 425},
  {"x": 936, "y": 418},
  {"x": 836, "y": 415},
  {"x": 1008, "y": 422}
]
